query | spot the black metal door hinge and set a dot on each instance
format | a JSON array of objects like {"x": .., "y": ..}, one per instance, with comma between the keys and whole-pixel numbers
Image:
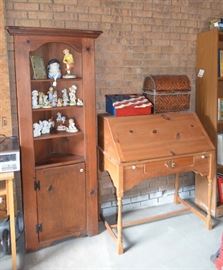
[
  {"x": 36, "y": 185},
  {"x": 39, "y": 228}
]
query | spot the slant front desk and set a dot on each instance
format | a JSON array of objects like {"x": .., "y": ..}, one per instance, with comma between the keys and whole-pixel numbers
[{"x": 135, "y": 148}]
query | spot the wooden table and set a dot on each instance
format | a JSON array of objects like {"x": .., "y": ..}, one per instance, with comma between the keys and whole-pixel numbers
[
  {"x": 135, "y": 148},
  {"x": 8, "y": 191}
]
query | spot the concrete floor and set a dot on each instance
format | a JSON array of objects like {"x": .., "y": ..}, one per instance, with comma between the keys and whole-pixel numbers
[{"x": 176, "y": 243}]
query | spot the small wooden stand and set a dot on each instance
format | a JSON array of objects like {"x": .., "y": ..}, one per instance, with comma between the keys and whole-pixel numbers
[
  {"x": 8, "y": 192},
  {"x": 133, "y": 149}
]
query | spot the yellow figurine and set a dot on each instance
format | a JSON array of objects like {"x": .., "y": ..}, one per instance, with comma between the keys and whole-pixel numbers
[{"x": 68, "y": 60}]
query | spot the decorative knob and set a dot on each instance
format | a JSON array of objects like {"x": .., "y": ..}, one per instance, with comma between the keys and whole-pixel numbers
[
  {"x": 203, "y": 156},
  {"x": 133, "y": 167},
  {"x": 81, "y": 170}
]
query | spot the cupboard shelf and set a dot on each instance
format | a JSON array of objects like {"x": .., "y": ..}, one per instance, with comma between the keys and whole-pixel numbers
[
  {"x": 58, "y": 81},
  {"x": 57, "y": 108},
  {"x": 56, "y": 159},
  {"x": 58, "y": 134}
]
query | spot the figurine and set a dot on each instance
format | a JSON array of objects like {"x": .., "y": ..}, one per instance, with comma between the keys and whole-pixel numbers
[
  {"x": 72, "y": 127},
  {"x": 36, "y": 130},
  {"x": 35, "y": 104},
  {"x": 54, "y": 71},
  {"x": 45, "y": 126},
  {"x": 72, "y": 95},
  {"x": 60, "y": 121},
  {"x": 50, "y": 95},
  {"x": 68, "y": 60},
  {"x": 41, "y": 94},
  {"x": 54, "y": 99},
  {"x": 46, "y": 103},
  {"x": 65, "y": 97},
  {"x": 80, "y": 102},
  {"x": 51, "y": 123},
  {"x": 59, "y": 102}
]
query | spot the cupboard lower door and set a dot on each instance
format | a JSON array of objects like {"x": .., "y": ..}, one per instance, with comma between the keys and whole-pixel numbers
[{"x": 61, "y": 205}]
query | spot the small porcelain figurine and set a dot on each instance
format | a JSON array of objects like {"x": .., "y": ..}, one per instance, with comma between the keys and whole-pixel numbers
[
  {"x": 60, "y": 122},
  {"x": 59, "y": 102},
  {"x": 72, "y": 95},
  {"x": 65, "y": 97},
  {"x": 72, "y": 127},
  {"x": 35, "y": 104},
  {"x": 46, "y": 103},
  {"x": 50, "y": 95},
  {"x": 36, "y": 130},
  {"x": 51, "y": 123},
  {"x": 54, "y": 99},
  {"x": 80, "y": 102},
  {"x": 68, "y": 60},
  {"x": 54, "y": 71},
  {"x": 41, "y": 94}
]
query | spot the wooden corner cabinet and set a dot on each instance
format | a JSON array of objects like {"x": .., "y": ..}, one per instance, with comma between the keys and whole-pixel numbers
[
  {"x": 209, "y": 89},
  {"x": 58, "y": 159}
]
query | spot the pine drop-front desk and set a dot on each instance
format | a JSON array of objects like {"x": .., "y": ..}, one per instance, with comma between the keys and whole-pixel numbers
[{"x": 135, "y": 148}]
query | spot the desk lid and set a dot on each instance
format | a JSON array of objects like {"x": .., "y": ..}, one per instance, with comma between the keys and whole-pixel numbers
[{"x": 134, "y": 138}]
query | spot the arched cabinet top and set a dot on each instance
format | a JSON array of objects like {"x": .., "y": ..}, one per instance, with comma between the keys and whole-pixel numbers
[{"x": 35, "y": 31}]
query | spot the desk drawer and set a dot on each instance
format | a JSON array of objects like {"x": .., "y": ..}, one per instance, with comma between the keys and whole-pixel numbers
[
  {"x": 158, "y": 168},
  {"x": 168, "y": 166},
  {"x": 134, "y": 174}
]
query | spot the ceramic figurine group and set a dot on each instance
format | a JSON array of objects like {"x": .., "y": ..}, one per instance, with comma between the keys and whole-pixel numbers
[
  {"x": 46, "y": 126},
  {"x": 51, "y": 99},
  {"x": 43, "y": 127},
  {"x": 61, "y": 119},
  {"x": 54, "y": 70}
]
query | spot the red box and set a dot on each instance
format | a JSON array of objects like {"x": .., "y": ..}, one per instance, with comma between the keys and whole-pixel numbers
[
  {"x": 128, "y": 105},
  {"x": 220, "y": 188}
]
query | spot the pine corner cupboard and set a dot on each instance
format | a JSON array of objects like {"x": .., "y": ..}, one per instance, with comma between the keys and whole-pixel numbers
[
  {"x": 59, "y": 168},
  {"x": 209, "y": 90}
]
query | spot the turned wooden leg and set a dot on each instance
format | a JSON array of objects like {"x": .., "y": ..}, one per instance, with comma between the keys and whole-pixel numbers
[
  {"x": 119, "y": 227},
  {"x": 177, "y": 186},
  {"x": 208, "y": 220}
]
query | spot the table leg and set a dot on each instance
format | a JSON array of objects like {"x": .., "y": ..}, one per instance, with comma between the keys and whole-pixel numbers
[
  {"x": 12, "y": 221},
  {"x": 208, "y": 220},
  {"x": 119, "y": 227},
  {"x": 177, "y": 186}
]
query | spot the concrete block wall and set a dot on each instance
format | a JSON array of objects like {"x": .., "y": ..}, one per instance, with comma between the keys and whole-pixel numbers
[{"x": 140, "y": 37}]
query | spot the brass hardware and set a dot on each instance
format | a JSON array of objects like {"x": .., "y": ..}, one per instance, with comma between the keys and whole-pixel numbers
[
  {"x": 81, "y": 170},
  {"x": 50, "y": 188},
  {"x": 170, "y": 164}
]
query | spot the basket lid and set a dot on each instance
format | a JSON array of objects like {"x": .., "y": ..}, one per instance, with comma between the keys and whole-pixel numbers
[{"x": 166, "y": 83}]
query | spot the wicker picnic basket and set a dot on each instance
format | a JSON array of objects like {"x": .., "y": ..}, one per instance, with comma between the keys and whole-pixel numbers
[{"x": 168, "y": 93}]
